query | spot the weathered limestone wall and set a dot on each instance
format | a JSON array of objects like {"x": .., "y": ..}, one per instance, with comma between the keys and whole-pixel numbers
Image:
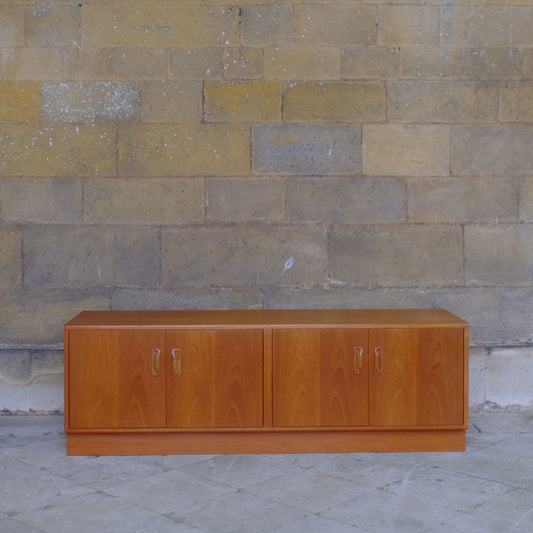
[{"x": 298, "y": 153}]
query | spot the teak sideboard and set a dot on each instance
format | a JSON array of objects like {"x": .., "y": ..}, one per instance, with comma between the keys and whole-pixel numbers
[{"x": 265, "y": 381}]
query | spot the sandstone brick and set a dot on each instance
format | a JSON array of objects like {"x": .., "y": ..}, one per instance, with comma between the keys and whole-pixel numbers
[
  {"x": 63, "y": 150},
  {"x": 20, "y": 102},
  {"x": 516, "y": 316},
  {"x": 144, "y": 201},
  {"x": 477, "y": 360},
  {"x": 241, "y": 199},
  {"x": 53, "y": 26},
  {"x": 137, "y": 63},
  {"x": 32, "y": 64},
  {"x": 197, "y": 298},
  {"x": 11, "y": 26},
  {"x": 499, "y": 254},
  {"x": 516, "y": 101},
  {"x": 307, "y": 149},
  {"x": 408, "y": 25},
  {"x": 85, "y": 64},
  {"x": 299, "y": 63},
  {"x": 80, "y": 256},
  {"x": 463, "y": 200},
  {"x": 15, "y": 366},
  {"x": 243, "y": 63},
  {"x": 195, "y": 63},
  {"x": 492, "y": 64},
  {"x": 492, "y": 149},
  {"x": 335, "y": 25},
  {"x": 42, "y": 200},
  {"x": 79, "y": 102},
  {"x": 361, "y": 199},
  {"x": 168, "y": 101},
  {"x": 476, "y": 26},
  {"x": 10, "y": 258},
  {"x": 184, "y": 150},
  {"x": 396, "y": 256},
  {"x": 406, "y": 150},
  {"x": 526, "y": 199},
  {"x": 370, "y": 63},
  {"x": 160, "y": 26},
  {"x": 520, "y": 23},
  {"x": 334, "y": 102},
  {"x": 266, "y": 24},
  {"x": 36, "y": 317},
  {"x": 244, "y": 256},
  {"x": 242, "y": 101},
  {"x": 47, "y": 381},
  {"x": 442, "y": 101}
]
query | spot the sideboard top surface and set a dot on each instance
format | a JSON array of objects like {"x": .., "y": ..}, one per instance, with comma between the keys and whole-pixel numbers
[{"x": 269, "y": 318}]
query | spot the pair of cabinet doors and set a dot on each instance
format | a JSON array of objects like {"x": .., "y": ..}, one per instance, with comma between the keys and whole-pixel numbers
[{"x": 229, "y": 378}]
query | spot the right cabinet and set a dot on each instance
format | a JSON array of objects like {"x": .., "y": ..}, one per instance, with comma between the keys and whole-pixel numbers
[{"x": 341, "y": 377}]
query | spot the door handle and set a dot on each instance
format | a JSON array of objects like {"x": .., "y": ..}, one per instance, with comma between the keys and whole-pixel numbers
[
  {"x": 357, "y": 360},
  {"x": 176, "y": 361},
  {"x": 156, "y": 362},
  {"x": 378, "y": 360}
]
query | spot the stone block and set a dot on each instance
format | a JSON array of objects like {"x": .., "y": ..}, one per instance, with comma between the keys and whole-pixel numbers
[
  {"x": 184, "y": 150},
  {"x": 42, "y": 200},
  {"x": 408, "y": 25},
  {"x": 335, "y": 102},
  {"x": 509, "y": 376},
  {"x": 396, "y": 255},
  {"x": 53, "y": 26},
  {"x": 136, "y": 63},
  {"x": 11, "y": 26},
  {"x": 101, "y": 101},
  {"x": 159, "y": 25},
  {"x": 169, "y": 101},
  {"x": 330, "y": 200},
  {"x": 144, "y": 201},
  {"x": 195, "y": 63},
  {"x": 442, "y": 101},
  {"x": 520, "y": 23},
  {"x": 517, "y": 316},
  {"x": 47, "y": 383},
  {"x": 62, "y": 150},
  {"x": 243, "y": 63},
  {"x": 335, "y": 25},
  {"x": 370, "y": 63},
  {"x": 242, "y": 101},
  {"x": 85, "y": 64},
  {"x": 462, "y": 200},
  {"x": 35, "y": 64},
  {"x": 296, "y": 63},
  {"x": 86, "y": 256},
  {"x": 240, "y": 199},
  {"x": 252, "y": 255},
  {"x": 198, "y": 298},
  {"x": 491, "y": 150},
  {"x": 476, "y": 26},
  {"x": 21, "y": 101},
  {"x": 406, "y": 149},
  {"x": 323, "y": 149},
  {"x": 477, "y": 359},
  {"x": 10, "y": 257},
  {"x": 526, "y": 199},
  {"x": 499, "y": 254},
  {"x": 266, "y": 24},
  {"x": 36, "y": 317},
  {"x": 15, "y": 366},
  {"x": 516, "y": 101}
]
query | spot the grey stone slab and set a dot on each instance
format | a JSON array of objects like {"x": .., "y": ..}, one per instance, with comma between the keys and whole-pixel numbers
[
  {"x": 319, "y": 524},
  {"x": 514, "y": 508},
  {"x": 468, "y": 523},
  {"x": 14, "y": 526}
]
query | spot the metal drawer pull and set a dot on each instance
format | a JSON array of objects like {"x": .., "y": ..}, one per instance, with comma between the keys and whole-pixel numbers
[
  {"x": 176, "y": 361},
  {"x": 378, "y": 362},
  {"x": 357, "y": 359},
  {"x": 156, "y": 362}
]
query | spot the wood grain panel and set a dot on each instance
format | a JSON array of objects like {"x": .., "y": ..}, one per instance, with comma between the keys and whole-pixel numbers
[
  {"x": 221, "y": 378},
  {"x": 111, "y": 382}
]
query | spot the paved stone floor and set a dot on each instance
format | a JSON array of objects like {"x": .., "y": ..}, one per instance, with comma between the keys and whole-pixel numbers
[{"x": 488, "y": 488}]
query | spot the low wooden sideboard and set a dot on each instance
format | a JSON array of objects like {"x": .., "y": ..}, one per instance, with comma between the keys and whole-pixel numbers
[{"x": 265, "y": 381}]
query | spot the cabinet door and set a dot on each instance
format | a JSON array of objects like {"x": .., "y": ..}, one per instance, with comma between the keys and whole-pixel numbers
[
  {"x": 116, "y": 378},
  {"x": 416, "y": 377},
  {"x": 215, "y": 378},
  {"x": 320, "y": 377}
]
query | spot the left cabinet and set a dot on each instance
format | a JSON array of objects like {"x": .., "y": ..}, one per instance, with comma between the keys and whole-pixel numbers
[{"x": 147, "y": 378}]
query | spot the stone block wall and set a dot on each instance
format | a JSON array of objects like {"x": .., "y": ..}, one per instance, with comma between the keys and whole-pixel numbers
[{"x": 290, "y": 153}]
